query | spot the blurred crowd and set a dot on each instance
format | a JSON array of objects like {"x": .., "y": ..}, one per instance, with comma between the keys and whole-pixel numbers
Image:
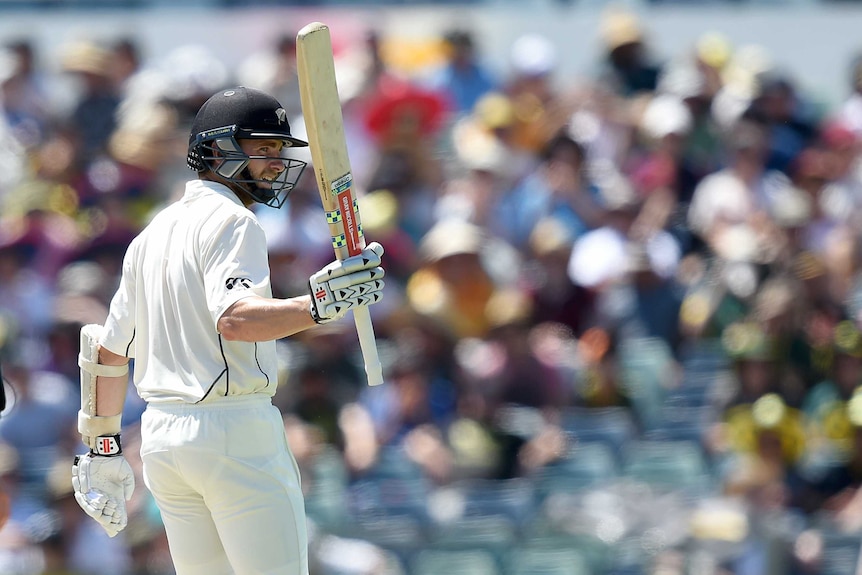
[{"x": 621, "y": 329}]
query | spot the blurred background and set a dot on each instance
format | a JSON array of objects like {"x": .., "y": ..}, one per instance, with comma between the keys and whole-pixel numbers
[{"x": 621, "y": 330}]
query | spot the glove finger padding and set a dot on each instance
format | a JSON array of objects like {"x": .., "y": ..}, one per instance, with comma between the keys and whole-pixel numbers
[
  {"x": 102, "y": 486},
  {"x": 108, "y": 512},
  {"x": 367, "y": 259},
  {"x": 342, "y": 285},
  {"x": 357, "y": 283}
]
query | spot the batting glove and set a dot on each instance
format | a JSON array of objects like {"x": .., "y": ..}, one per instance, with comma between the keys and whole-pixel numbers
[
  {"x": 342, "y": 285},
  {"x": 102, "y": 486}
]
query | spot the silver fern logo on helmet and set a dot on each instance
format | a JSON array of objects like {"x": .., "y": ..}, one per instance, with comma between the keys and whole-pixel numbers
[{"x": 281, "y": 114}]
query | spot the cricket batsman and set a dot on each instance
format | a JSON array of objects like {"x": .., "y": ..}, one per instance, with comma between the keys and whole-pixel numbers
[{"x": 194, "y": 308}]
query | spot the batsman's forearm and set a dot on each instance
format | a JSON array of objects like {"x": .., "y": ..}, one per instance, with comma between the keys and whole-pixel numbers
[
  {"x": 111, "y": 391},
  {"x": 265, "y": 319}
]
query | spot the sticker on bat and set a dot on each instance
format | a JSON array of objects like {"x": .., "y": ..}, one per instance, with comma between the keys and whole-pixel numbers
[
  {"x": 342, "y": 190},
  {"x": 341, "y": 184},
  {"x": 349, "y": 223}
]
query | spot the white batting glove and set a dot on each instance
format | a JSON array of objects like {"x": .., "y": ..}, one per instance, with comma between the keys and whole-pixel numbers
[
  {"x": 102, "y": 486},
  {"x": 342, "y": 285}
]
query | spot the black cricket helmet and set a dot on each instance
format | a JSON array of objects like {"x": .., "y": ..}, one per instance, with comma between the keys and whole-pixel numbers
[{"x": 243, "y": 113}]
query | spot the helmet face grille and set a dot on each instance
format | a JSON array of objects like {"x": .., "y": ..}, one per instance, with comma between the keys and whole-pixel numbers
[
  {"x": 225, "y": 158},
  {"x": 242, "y": 113}
]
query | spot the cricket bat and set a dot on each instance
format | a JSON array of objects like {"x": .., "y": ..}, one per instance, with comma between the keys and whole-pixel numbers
[{"x": 321, "y": 109}]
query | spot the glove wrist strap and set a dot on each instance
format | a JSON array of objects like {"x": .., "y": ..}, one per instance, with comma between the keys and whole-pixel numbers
[
  {"x": 107, "y": 446},
  {"x": 315, "y": 316},
  {"x": 316, "y": 293}
]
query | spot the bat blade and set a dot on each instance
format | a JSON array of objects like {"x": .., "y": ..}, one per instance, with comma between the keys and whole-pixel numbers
[{"x": 321, "y": 110}]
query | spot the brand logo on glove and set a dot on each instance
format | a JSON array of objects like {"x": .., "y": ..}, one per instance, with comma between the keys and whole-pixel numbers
[
  {"x": 237, "y": 282},
  {"x": 320, "y": 294},
  {"x": 107, "y": 445}
]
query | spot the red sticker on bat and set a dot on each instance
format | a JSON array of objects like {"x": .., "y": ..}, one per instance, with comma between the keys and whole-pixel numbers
[{"x": 343, "y": 189}]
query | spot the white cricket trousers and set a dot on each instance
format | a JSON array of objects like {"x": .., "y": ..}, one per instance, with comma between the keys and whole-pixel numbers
[{"x": 227, "y": 486}]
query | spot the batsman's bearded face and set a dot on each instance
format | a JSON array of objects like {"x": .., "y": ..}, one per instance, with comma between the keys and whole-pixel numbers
[
  {"x": 265, "y": 160},
  {"x": 257, "y": 167}
]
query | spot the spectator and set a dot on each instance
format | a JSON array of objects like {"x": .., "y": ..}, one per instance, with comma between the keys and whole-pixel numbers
[
  {"x": 127, "y": 60},
  {"x": 732, "y": 209},
  {"x": 483, "y": 144},
  {"x": 599, "y": 383},
  {"x": 93, "y": 118},
  {"x": 627, "y": 67},
  {"x": 531, "y": 86},
  {"x": 521, "y": 378},
  {"x": 767, "y": 439},
  {"x": 25, "y": 286},
  {"x": 25, "y": 100},
  {"x": 555, "y": 296},
  {"x": 826, "y": 402},
  {"x": 37, "y": 431},
  {"x": 697, "y": 83},
  {"x": 790, "y": 118},
  {"x": 273, "y": 70},
  {"x": 834, "y": 492},
  {"x": 841, "y": 181},
  {"x": 664, "y": 175},
  {"x": 405, "y": 121},
  {"x": 559, "y": 187},
  {"x": 600, "y": 258},
  {"x": 453, "y": 285},
  {"x": 464, "y": 79}
]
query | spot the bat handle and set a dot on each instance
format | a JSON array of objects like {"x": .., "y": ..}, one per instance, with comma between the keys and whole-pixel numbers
[{"x": 365, "y": 330}]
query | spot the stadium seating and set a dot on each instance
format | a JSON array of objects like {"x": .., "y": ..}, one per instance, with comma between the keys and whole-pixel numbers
[
  {"x": 612, "y": 425},
  {"x": 454, "y": 562},
  {"x": 588, "y": 465},
  {"x": 538, "y": 561},
  {"x": 667, "y": 465}
]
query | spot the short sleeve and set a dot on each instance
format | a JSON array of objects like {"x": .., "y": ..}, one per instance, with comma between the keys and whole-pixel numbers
[
  {"x": 234, "y": 264},
  {"x": 119, "y": 333}
]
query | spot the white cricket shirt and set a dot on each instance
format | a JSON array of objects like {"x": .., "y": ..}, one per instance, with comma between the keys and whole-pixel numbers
[{"x": 196, "y": 258}]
